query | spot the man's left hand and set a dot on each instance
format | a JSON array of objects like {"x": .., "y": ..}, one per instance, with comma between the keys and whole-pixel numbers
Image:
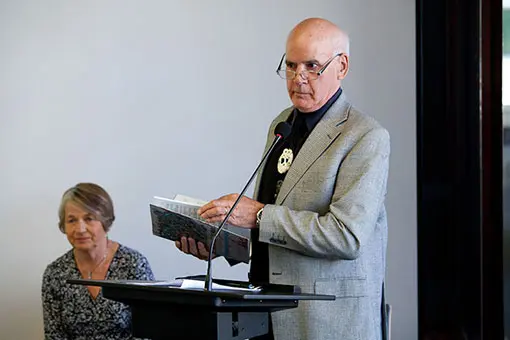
[{"x": 244, "y": 215}]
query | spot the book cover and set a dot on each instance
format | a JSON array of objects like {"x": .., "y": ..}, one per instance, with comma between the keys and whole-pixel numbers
[{"x": 172, "y": 219}]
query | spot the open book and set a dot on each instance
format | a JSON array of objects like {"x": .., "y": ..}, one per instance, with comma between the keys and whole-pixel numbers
[{"x": 174, "y": 218}]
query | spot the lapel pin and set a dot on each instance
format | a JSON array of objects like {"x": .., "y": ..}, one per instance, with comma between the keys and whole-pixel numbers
[{"x": 285, "y": 161}]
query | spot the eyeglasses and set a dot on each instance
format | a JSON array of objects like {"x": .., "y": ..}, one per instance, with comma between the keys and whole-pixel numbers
[{"x": 310, "y": 72}]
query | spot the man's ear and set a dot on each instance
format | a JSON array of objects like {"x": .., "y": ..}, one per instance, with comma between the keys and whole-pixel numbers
[{"x": 343, "y": 67}]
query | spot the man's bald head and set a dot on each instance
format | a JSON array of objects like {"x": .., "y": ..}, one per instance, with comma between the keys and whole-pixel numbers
[
  {"x": 318, "y": 29},
  {"x": 317, "y": 54}
]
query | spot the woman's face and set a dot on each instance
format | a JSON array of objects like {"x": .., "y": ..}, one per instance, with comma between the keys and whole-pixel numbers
[{"x": 83, "y": 230}]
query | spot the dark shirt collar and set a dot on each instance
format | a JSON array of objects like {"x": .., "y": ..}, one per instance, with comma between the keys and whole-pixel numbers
[{"x": 312, "y": 118}]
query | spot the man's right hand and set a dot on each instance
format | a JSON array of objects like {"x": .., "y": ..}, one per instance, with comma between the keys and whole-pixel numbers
[{"x": 189, "y": 246}]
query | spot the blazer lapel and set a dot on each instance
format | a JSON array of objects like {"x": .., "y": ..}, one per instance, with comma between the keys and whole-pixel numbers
[{"x": 324, "y": 133}]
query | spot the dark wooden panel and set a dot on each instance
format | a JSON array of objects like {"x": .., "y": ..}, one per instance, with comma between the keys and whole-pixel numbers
[{"x": 459, "y": 169}]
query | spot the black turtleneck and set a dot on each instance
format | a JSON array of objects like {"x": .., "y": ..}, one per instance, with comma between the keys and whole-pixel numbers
[{"x": 302, "y": 125}]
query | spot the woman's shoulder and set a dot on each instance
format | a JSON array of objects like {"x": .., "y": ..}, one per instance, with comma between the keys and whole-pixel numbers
[
  {"x": 127, "y": 253},
  {"x": 61, "y": 264},
  {"x": 132, "y": 264},
  {"x": 58, "y": 271}
]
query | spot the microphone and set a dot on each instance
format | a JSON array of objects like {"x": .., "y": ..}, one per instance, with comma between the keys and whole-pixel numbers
[{"x": 281, "y": 131}]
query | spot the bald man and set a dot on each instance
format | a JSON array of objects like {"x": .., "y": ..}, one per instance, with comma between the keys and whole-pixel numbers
[{"x": 318, "y": 220}]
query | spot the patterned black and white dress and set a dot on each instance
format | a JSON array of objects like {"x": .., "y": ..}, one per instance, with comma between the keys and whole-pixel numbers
[{"x": 70, "y": 312}]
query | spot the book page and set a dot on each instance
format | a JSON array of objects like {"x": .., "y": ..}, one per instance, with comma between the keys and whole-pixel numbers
[
  {"x": 190, "y": 200},
  {"x": 195, "y": 284},
  {"x": 183, "y": 208}
]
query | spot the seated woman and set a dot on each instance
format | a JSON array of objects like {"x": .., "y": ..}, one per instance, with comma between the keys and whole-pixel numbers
[{"x": 80, "y": 312}]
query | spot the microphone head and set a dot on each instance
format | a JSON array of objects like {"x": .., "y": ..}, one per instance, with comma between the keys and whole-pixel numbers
[{"x": 283, "y": 130}]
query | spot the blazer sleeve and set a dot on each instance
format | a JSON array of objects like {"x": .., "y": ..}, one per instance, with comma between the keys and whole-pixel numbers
[{"x": 358, "y": 197}]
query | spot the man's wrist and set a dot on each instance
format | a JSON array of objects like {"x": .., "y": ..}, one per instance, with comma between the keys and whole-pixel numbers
[{"x": 259, "y": 217}]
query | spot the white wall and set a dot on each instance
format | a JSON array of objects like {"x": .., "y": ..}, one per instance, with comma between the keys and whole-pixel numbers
[{"x": 158, "y": 98}]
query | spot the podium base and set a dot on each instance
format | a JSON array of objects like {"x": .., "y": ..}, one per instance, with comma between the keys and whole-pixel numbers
[{"x": 157, "y": 322}]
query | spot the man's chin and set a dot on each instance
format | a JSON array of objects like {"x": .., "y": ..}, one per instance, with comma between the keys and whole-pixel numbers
[
  {"x": 303, "y": 108},
  {"x": 301, "y": 105}
]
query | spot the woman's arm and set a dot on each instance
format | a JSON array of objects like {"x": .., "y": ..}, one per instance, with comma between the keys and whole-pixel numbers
[{"x": 53, "y": 329}]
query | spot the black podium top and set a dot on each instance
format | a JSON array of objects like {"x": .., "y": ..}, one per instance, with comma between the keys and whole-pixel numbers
[{"x": 271, "y": 296}]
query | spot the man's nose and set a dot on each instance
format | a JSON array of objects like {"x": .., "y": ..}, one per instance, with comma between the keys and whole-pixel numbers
[
  {"x": 299, "y": 80},
  {"x": 301, "y": 75}
]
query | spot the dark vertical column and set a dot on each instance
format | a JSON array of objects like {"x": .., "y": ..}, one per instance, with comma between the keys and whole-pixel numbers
[
  {"x": 492, "y": 169},
  {"x": 457, "y": 213}
]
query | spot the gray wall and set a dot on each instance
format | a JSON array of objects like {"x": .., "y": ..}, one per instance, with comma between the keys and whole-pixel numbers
[{"x": 158, "y": 98}]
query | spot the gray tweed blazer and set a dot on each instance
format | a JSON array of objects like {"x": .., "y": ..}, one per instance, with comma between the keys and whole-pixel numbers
[{"x": 327, "y": 231}]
